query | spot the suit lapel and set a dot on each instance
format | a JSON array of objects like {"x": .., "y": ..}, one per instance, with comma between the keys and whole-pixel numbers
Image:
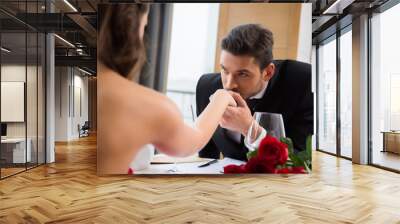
[
  {"x": 222, "y": 139},
  {"x": 270, "y": 101}
]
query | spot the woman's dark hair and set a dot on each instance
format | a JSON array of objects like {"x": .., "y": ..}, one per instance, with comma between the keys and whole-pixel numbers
[
  {"x": 250, "y": 40},
  {"x": 120, "y": 47}
]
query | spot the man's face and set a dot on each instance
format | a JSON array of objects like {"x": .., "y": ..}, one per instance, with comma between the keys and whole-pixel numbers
[{"x": 242, "y": 74}]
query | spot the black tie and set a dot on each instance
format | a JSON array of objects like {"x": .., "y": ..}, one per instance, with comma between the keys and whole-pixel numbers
[{"x": 252, "y": 104}]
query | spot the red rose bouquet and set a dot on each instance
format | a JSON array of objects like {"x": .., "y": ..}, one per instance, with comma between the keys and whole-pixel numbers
[{"x": 274, "y": 156}]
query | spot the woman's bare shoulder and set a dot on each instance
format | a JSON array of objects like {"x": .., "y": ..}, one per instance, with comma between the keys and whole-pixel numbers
[
  {"x": 164, "y": 111},
  {"x": 151, "y": 107},
  {"x": 163, "y": 114}
]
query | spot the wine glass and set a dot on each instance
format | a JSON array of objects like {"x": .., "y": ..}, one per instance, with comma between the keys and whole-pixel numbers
[{"x": 263, "y": 124}]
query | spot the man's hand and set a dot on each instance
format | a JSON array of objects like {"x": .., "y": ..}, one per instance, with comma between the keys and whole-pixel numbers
[
  {"x": 224, "y": 94},
  {"x": 237, "y": 118}
]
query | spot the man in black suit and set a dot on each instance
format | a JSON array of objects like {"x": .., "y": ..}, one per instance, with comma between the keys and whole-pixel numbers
[{"x": 258, "y": 83}]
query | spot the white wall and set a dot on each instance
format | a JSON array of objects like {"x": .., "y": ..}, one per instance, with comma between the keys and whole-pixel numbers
[
  {"x": 33, "y": 127},
  {"x": 80, "y": 84},
  {"x": 70, "y": 83},
  {"x": 12, "y": 101},
  {"x": 62, "y": 80},
  {"x": 305, "y": 34},
  {"x": 12, "y": 73}
]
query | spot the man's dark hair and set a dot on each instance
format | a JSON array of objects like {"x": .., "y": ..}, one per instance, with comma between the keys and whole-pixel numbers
[{"x": 250, "y": 40}]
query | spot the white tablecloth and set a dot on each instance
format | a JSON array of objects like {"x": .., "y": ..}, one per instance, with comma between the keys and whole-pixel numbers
[{"x": 190, "y": 168}]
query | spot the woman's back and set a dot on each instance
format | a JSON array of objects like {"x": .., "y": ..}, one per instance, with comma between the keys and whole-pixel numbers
[{"x": 129, "y": 116}]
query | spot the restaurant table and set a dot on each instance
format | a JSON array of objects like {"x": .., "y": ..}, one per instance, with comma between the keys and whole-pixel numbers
[
  {"x": 190, "y": 167},
  {"x": 391, "y": 141}
]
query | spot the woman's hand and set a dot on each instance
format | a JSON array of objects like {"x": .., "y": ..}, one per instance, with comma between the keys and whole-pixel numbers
[
  {"x": 177, "y": 143},
  {"x": 222, "y": 95}
]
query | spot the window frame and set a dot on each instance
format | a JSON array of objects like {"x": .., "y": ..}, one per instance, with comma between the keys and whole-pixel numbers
[
  {"x": 371, "y": 14},
  {"x": 334, "y": 37}
]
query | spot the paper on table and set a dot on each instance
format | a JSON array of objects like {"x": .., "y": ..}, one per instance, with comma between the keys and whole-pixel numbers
[
  {"x": 164, "y": 159},
  {"x": 191, "y": 168}
]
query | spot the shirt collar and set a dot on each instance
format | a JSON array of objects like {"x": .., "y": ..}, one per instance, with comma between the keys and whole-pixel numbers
[{"x": 260, "y": 94}]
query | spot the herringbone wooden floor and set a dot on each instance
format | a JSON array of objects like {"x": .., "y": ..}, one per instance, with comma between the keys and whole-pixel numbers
[{"x": 70, "y": 192}]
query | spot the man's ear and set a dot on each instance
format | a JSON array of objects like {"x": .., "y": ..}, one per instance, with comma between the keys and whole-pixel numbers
[{"x": 268, "y": 72}]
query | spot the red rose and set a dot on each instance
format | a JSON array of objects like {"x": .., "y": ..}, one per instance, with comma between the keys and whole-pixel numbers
[
  {"x": 259, "y": 165},
  {"x": 234, "y": 168},
  {"x": 284, "y": 170},
  {"x": 273, "y": 150},
  {"x": 298, "y": 169}
]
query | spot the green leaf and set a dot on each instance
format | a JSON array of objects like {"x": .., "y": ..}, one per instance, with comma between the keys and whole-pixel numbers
[
  {"x": 251, "y": 154},
  {"x": 307, "y": 167},
  {"x": 309, "y": 150},
  {"x": 303, "y": 155},
  {"x": 309, "y": 146},
  {"x": 289, "y": 143},
  {"x": 302, "y": 158},
  {"x": 296, "y": 160}
]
